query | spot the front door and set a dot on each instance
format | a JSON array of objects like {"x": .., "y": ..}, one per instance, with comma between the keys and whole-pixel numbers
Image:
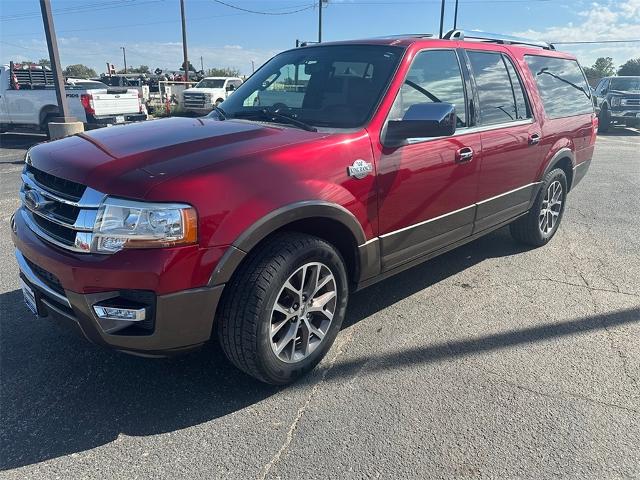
[{"x": 427, "y": 189}]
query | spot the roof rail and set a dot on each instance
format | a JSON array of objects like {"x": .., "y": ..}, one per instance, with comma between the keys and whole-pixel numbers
[
  {"x": 407, "y": 35},
  {"x": 495, "y": 38}
]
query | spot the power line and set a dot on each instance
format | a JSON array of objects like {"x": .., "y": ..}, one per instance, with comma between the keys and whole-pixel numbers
[
  {"x": 81, "y": 9},
  {"x": 258, "y": 12},
  {"x": 595, "y": 41}
]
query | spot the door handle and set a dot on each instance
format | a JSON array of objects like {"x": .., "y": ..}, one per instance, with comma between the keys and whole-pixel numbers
[
  {"x": 464, "y": 155},
  {"x": 534, "y": 139}
]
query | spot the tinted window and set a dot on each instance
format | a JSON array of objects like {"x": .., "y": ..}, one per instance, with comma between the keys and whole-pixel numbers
[
  {"x": 434, "y": 76},
  {"x": 333, "y": 86},
  {"x": 562, "y": 86},
  {"x": 497, "y": 97},
  {"x": 626, "y": 84},
  {"x": 522, "y": 107},
  {"x": 210, "y": 83}
]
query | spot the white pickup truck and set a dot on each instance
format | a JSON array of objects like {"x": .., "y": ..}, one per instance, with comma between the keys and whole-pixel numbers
[
  {"x": 208, "y": 93},
  {"x": 28, "y": 101}
]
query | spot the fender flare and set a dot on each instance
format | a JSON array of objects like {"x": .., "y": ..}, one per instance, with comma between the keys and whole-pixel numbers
[
  {"x": 564, "y": 152},
  {"x": 277, "y": 219}
]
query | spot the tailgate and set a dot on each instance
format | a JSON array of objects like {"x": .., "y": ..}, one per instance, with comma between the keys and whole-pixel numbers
[{"x": 115, "y": 103}]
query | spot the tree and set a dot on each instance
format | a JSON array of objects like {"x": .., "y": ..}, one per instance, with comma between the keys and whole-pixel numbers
[
  {"x": 223, "y": 72},
  {"x": 603, "y": 67},
  {"x": 43, "y": 61},
  {"x": 79, "y": 71},
  {"x": 632, "y": 67},
  {"x": 140, "y": 69},
  {"x": 191, "y": 67}
]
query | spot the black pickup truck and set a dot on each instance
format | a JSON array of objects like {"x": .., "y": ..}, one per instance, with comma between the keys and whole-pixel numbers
[{"x": 617, "y": 100}]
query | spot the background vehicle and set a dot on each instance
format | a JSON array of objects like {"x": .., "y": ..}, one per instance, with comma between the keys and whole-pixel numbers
[
  {"x": 264, "y": 220},
  {"x": 617, "y": 100},
  {"x": 28, "y": 101},
  {"x": 209, "y": 92}
]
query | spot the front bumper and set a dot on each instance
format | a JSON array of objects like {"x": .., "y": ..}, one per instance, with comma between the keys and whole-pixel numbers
[
  {"x": 625, "y": 115},
  {"x": 178, "y": 321}
]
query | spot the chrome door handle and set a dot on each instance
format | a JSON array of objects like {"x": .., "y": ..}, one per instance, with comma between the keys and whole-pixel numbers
[
  {"x": 464, "y": 155},
  {"x": 534, "y": 139}
]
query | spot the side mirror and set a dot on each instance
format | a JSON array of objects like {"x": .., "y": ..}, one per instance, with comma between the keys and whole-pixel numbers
[
  {"x": 231, "y": 88},
  {"x": 422, "y": 120}
]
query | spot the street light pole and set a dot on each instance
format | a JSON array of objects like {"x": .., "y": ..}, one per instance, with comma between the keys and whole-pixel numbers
[
  {"x": 124, "y": 55},
  {"x": 441, "y": 18},
  {"x": 54, "y": 56},
  {"x": 319, "y": 21},
  {"x": 184, "y": 42}
]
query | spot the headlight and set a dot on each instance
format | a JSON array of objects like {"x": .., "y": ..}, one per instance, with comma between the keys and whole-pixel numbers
[
  {"x": 207, "y": 97},
  {"x": 615, "y": 101},
  {"x": 128, "y": 224}
]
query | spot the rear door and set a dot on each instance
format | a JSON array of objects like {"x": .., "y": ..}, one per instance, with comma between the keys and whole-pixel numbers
[{"x": 510, "y": 137}]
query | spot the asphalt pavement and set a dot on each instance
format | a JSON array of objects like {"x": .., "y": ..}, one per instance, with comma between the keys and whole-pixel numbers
[{"x": 492, "y": 361}]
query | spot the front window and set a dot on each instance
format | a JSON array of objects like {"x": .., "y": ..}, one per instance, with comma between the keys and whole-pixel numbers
[
  {"x": 626, "y": 84},
  {"x": 326, "y": 86},
  {"x": 210, "y": 83}
]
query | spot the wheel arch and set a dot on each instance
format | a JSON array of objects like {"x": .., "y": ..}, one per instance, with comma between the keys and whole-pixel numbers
[
  {"x": 329, "y": 221},
  {"x": 564, "y": 158},
  {"x": 45, "y": 112}
]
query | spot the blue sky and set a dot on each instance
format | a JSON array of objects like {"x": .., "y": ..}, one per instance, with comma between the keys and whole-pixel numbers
[{"x": 91, "y": 31}]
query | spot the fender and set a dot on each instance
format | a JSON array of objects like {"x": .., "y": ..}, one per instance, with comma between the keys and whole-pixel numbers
[{"x": 277, "y": 219}]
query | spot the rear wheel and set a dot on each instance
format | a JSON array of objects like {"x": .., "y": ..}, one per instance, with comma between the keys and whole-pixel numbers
[
  {"x": 541, "y": 223},
  {"x": 284, "y": 307}
]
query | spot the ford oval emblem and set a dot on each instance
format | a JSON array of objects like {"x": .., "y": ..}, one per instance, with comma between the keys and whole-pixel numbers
[{"x": 34, "y": 201}]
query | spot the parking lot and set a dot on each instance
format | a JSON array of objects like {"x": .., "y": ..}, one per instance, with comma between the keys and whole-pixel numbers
[{"x": 492, "y": 361}]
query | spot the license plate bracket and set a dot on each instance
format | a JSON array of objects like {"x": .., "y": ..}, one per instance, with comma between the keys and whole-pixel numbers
[
  {"x": 29, "y": 296},
  {"x": 120, "y": 119}
]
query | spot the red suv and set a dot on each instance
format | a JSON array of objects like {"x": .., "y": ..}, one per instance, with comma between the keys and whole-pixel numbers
[{"x": 331, "y": 168}]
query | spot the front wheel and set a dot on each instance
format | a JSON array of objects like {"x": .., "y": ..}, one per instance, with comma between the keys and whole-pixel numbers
[
  {"x": 604, "y": 120},
  {"x": 284, "y": 307},
  {"x": 541, "y": 223}
]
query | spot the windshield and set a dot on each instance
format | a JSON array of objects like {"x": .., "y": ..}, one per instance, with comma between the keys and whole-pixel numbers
[
  {"x": 626, "y": 84},
  {"x": 209, "y": 83},
  {"x": 332, "y": 86}
]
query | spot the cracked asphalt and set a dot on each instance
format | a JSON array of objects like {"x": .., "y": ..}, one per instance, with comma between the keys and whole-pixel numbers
[{"x": 492, "y": 361}]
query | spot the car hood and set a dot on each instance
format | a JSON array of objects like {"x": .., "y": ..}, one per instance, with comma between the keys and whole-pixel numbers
[{"x": 129, "y": 160}]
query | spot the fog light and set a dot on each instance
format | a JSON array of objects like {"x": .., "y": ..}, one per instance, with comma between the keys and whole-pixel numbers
[{"x": 120, "y": 313}]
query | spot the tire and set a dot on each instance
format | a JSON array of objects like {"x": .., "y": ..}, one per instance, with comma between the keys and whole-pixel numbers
[
  {"x": 45, "y": 124},
  {"x": 252, "y": 328},
  {"x": 533, "y": 228},
  {"x": 604, "y": 120}
]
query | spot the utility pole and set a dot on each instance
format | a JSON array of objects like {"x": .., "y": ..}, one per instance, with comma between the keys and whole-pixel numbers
[
  {"x": 253, "y": 66},
  {"x": 54, "y": 56},
  {"x": 441, "y": 18},
  {"x": 455, "y": 17},
  {"x": 124, "y": 56},
  {"x": 201, "y": 63},
  {"x": 320, "y": 2},
  {"x": 184, "y": 43}
]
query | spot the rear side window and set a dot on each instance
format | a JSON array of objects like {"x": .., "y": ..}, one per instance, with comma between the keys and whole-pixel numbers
[
  {"x": 501, "y": 97},
  {"x": 562, "y": 86}
]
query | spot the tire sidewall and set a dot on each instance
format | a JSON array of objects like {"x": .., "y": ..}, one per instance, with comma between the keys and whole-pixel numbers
[{"x": 272, "y": 366}]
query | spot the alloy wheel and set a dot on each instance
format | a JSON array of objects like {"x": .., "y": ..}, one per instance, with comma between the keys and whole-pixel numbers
[
  {"x": 303, "y": 311},
  {"x": 551, "y": 208}
]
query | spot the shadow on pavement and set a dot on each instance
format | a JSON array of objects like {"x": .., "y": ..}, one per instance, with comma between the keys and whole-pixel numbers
[
  {"x": 61, "y": 395},
  {"x": 20, "y": 140},
  {"x": 617, "y": 131}
]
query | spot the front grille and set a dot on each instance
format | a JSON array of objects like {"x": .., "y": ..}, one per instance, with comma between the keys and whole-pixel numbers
[
  {"x": 631, "y": 102},
  {"x": 59, "y": 211},
  {"x": 194, "y": 100},
  {"x": 64, "y": 188},
  {"x": 48, "y": 278}
]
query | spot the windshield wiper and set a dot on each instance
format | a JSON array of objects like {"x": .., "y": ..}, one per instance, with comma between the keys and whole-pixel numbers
[{"x": 276, "y": 115}]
